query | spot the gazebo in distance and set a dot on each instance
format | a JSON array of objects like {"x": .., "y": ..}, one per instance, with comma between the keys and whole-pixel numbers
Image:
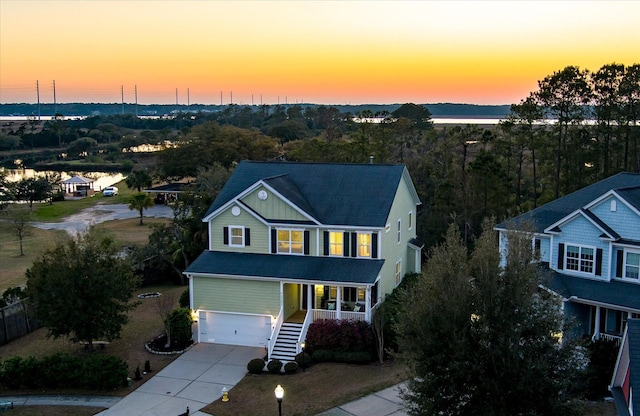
[{"x": 78, "y": 187}]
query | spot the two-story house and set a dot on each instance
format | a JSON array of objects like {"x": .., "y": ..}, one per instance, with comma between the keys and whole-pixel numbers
[
  {"x": 291, "y": 243},
  {"x": 626, "y": 375},
  {"x": 589, "y": 244}
]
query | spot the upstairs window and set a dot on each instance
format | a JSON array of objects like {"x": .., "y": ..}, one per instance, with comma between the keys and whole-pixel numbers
[
  {"x": 632, "y": 265},
  {"x": 398, "y": 272},
  {"x": 336, "y": 243},
  {"x": 399, "y": 231},
  {"x": 236, "y": 236},
  {"x": 364, "y": 245},
  {"x": 290, "y": 241},
  {"x": 580, "y": 259}
]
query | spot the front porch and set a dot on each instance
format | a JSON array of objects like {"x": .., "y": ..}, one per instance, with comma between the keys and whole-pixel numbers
[{"x": 310, "y": 303}]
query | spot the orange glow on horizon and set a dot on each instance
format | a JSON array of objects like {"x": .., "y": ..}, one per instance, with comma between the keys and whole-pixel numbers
[{"x": 318, "y": 52}]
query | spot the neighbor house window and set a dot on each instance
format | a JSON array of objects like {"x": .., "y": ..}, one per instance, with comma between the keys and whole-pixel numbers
[
  {"x": 364, "y": 245},
  {"x": 398, "y": 272},
  {"x": 399, "y": 231},
  {"x": 336, "y": 243},
  {"x": 290, "y": 241},
  {"x": 410, "y": 225},
  {"x": 632, "y": 265},
  {"x": 580, "y": 259}
]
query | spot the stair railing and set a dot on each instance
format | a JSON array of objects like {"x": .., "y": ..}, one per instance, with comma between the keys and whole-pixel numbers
[{"x": 274, "y": 333}]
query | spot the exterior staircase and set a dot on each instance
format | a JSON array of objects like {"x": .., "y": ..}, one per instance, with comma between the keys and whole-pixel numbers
[{"x": 286, "y": 346}]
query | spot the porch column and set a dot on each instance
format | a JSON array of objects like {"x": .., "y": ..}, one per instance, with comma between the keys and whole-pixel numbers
[
  {"x": 309, "y": 294},
  {"x": 596, "y": 330},
  {"x": 367, "y": 304},
  {"x": 339, "y": 302}
]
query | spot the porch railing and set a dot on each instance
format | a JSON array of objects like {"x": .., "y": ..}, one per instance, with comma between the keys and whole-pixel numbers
[
  {"x": 344, "y": 315},
  {"x": 274, "y": 333},
  {"x": 608, "y": 337}
]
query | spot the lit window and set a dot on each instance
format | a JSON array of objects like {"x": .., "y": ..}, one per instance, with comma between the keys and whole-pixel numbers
[
  {"x": 364, "y": 245},
  {"x": 290, "y": 241},
  {"x": 398, "y": 272},
  {"x": 336, "y": 241},
  {"x": 632, "y": 265},
  {"x": 580, "y": 259},
  {"x": 236, "y": 236}
]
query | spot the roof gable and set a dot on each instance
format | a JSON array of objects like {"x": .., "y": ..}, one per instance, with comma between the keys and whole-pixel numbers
[
  {"x": 335, "y": 194},
  {"x": 627, "y": 185}
]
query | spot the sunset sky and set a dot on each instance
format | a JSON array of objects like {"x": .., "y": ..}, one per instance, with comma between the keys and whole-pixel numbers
[{"x": 329, "y": 52}]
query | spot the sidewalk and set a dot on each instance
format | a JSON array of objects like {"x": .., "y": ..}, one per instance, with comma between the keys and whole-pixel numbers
[{"x": 386, "y": 402}]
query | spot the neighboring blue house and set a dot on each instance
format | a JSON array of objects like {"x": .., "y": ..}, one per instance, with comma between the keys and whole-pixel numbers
[
  {"x": 589, "y": 242},
  {"x": 291, "y": 243},
  {"x": 626, "y": 376}
]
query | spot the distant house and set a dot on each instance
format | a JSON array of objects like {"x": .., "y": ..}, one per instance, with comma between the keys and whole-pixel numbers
[
  {"x": 78, "y": 186},
  {"x": 291, "y": 243},
  {"x": 626, "y": 376},
  {"x": 589, "y": 245}
]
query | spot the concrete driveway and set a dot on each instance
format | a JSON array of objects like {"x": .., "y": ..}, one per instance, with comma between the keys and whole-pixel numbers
[{"x": 193, "y": 380}]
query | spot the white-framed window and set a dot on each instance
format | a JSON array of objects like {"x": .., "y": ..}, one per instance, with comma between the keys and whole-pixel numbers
[
  {"x": 631, "y": 265},
  {"x": 236, "y": 236},
  {"x": 387, "y": 228},
  {"x": 290, "y": 241},
  {"x": 410, "y": 221},
  {"x": 398, "y": 272},
  {"x": 353, "y": 294},
  {"x": 580, "y": 259},
  {"x": 364, "y": 244},
  {"x": 399, "y": 231},
  {"x": 336, "y": 243}
]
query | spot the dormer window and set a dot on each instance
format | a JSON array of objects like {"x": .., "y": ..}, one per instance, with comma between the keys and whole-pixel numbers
[
  {"x": 580, "y": 259},
  {"x": 632, "y": 265}
]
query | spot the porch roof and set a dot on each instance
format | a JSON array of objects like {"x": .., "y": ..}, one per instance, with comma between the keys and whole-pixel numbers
[
  {"x": 614, "y": 292},
  {"x": 305, "y": 268}
]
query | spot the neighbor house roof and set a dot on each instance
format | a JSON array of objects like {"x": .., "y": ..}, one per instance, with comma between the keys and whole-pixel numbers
[
  {"x": 301, "y": 268},
  {"x": 627, "y": 185},
  {"x": 632, "y": 343},
  {"x": 335, "y": 194},
  {"x": 77, "y": 180},
  {"x": 612, "y": 292}
]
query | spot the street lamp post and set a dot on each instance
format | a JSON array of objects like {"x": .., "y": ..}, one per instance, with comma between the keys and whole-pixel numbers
[
  {"x": 303, "y": 363},
  {"x": 279, "y": 392}
]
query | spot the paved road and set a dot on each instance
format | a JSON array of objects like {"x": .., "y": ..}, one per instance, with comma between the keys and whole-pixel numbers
[{"x": 81, "y": 221}]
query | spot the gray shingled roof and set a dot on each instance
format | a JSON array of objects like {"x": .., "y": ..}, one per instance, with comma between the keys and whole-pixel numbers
[
  {"x": 626, "y": 184},
  {"x": 305, "y": 268},
  {"x": 615, "y": 292},
  {"x": 335, "y": 194}
]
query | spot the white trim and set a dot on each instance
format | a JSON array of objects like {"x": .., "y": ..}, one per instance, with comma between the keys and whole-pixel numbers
[
  {"x": 252, "y": 189},
  {"x": 572, "y": 217},
  {"x": 280, "y": 279}
]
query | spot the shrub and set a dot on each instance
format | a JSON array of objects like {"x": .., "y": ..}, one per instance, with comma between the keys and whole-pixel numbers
[
  {"x": 304, "y": 361},
  {"x": 291, "y": 367},
  {"x": 180, "y": 321},
  {"x": 94, "y": 372},
  {"x": 256, "y": 366},
  {"x": 147, "y": 366},
  {"x": 184, "y": 299},
  {"x": 320, "y": 356},
  {"x": 274, "y": 366},
  {"x": 348, "y": 336}
]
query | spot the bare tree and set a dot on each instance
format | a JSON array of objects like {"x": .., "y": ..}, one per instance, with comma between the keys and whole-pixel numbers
[
  {"x": 165, "y": 304},
  {"x": 19, "y": 219}
]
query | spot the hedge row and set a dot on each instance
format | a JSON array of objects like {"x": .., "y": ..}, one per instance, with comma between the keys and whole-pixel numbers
[{"x": 93, "y": 372}]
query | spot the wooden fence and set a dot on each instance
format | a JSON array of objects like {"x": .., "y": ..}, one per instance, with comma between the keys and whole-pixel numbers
[{"x": 16, "y": 320}]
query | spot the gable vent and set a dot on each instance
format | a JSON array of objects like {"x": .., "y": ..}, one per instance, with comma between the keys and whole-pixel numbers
[{"x": 614, "y": 205}]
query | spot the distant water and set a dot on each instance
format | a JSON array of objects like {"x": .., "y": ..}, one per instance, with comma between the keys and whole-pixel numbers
[{"x": 436, "y": 120}]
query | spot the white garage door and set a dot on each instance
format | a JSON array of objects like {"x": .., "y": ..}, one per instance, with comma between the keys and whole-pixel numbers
[{"x": 234, "y": 329}]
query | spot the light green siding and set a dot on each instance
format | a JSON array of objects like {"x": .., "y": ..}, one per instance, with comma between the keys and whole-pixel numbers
[
  {"x": 236, "y": 295},
  {"x": 259, "y": 231},
  {"x": 291, "y": 294},
  {"x": 273, "y": 207},
  {"x": 392, "y": 251}
]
